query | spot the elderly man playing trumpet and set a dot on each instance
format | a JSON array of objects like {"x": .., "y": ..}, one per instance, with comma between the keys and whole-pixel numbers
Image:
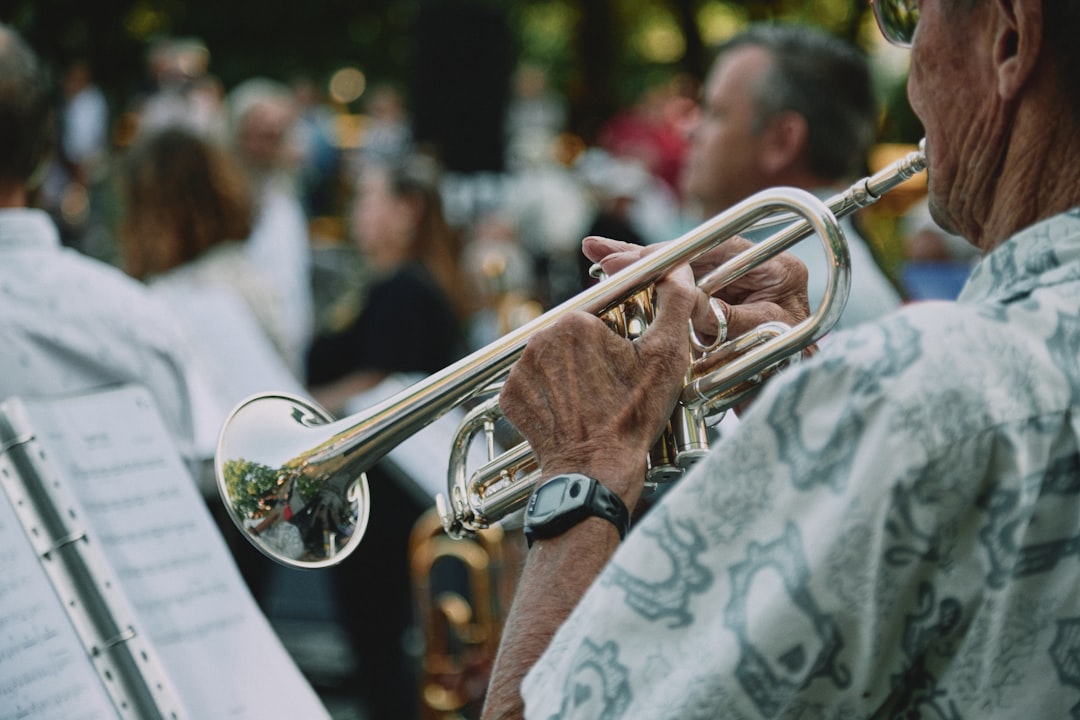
[{"x": 892, "y": 530}]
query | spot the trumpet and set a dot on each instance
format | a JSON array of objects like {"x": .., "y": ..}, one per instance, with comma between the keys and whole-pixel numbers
[{"x": 294, "y": 480}]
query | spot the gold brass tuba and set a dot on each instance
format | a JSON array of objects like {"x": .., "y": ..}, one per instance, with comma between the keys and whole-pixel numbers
[{"x": 294, "y": 480}]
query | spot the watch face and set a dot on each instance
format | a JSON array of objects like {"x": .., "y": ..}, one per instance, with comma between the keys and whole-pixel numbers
[
  {"x": 547, "y": 499},
  {"x": 565, "y": 500}
]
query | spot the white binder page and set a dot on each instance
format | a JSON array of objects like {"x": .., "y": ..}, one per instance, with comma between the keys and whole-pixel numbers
[
  {"x": 44, "y": 670},
  {"x": 217, "y": 647}
]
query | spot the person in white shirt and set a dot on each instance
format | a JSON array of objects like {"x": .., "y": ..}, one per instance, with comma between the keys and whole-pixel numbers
[
  {"x": 262, "y": 119},
  {"x": 69, "y": 323}
]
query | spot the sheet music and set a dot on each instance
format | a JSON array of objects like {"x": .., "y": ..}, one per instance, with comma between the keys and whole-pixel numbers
[
  {"x": 44, "y": 672},
  {"x": 219, "y": 650}
]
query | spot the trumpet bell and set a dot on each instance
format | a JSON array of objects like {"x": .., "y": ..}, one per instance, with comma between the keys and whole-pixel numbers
[{"x": 294, "y": 507}]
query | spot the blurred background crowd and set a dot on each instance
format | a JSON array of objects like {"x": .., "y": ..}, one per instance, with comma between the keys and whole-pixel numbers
[
  {"x": 581, "y": 107},
  {"x": 330, "y": 195}
]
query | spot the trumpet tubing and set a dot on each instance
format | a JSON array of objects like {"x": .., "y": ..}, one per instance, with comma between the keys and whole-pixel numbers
[{"x": 293, "y": 480}]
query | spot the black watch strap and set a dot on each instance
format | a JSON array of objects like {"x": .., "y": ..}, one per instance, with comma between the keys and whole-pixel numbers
[{"x": 565, "y": 500}]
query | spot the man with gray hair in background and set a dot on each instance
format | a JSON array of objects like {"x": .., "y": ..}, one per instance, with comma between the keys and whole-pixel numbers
[
  {"x": 263, "y": 114},
  {"x": 790, "y": 105}
]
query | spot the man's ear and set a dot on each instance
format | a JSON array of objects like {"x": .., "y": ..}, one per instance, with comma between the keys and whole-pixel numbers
[
  {"x": 784, "y": 144},
  {"x": 1018, "y": 39}
]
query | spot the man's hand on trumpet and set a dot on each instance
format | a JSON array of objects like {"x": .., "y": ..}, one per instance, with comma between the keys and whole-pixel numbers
[
  {"x": 772, "y": 291},
  {"x": 589, "y": 400}
]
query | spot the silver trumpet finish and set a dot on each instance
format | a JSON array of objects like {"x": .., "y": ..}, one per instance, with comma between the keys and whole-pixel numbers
[{"x": 293, "y": 479}]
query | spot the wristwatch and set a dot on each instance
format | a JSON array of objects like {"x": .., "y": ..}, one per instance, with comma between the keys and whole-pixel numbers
[{"x": 565, "y": 500}]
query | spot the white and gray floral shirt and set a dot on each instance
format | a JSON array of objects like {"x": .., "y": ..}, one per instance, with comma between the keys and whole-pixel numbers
[{"x": 893, "y": 531}]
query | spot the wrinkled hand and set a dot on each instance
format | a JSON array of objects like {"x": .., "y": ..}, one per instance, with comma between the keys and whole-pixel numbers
[
  {"x": 589, "y": 400},
  {"x": 775, "y": 290}
]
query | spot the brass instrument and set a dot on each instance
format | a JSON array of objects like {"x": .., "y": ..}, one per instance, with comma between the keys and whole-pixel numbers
[
  {"x": 463, "y": 591},
  {"x": 294, "y": 480}
]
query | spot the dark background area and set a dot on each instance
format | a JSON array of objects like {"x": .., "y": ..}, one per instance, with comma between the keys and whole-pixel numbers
[{"x": 454, "y": 58}]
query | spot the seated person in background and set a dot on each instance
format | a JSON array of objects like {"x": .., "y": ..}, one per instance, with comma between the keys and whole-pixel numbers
[
  {"x": 409, "y": 321},
  {"x": 410, "y": 318},
  {"x": 936, "y": 262},
  {"x": 788, "y": 105},
  {"x": 188, "y": 211},
  {"x": 925, "y": 240},
  {"x": 69, "y": 323},
  {"x": 262, "y": 130}
]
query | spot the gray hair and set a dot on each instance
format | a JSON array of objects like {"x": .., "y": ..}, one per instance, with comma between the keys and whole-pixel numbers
[
  {"x": 252, "y": 93},
  {"x": 824, "y": 79}
]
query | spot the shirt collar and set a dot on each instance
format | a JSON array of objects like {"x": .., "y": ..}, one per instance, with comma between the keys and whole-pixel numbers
[
  {"x": 1045, "y": 253},
  {"x": 22, "y": 228}
]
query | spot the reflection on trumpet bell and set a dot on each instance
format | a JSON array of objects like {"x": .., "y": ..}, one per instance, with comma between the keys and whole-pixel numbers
[
  {"x": 462, "y": 591},
  {"x": 306, "y": 510}
]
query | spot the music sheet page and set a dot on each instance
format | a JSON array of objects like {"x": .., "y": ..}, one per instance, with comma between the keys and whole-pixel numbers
[
  {"x": 155, "y": 530},
  {"x": 44, "y": 671}
]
